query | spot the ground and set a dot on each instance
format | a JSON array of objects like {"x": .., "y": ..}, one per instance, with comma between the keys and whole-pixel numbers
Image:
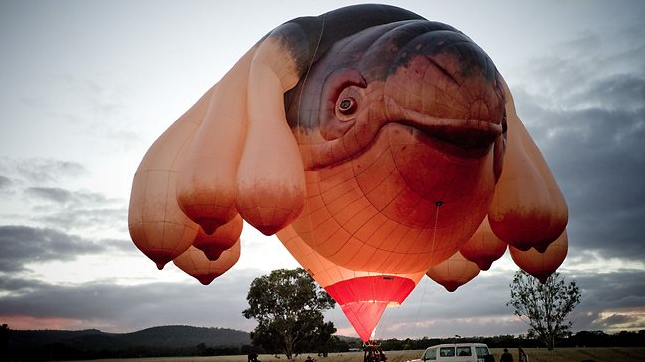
[{"x": 608, "y": 354}]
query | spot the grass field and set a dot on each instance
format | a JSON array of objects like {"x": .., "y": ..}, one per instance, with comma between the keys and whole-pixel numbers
[{"x": 609, "y": 354}]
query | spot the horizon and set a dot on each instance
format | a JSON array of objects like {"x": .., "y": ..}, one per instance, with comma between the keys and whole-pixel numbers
[{"x": 456, "y": 337}]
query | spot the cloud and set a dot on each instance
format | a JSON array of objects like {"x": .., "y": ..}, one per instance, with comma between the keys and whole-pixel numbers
[
  {"x": 619, "y": 289},
  {"x": 42, "y": 170},
  {"x": 122, "y": 308},
  {"x": 22, "y": 245},
  {"x": 109, "y": 100},
  {"x": 589, "y": 122},
  {"x": 615, "y": 318},
  {"x": 611, "y": 320},
  {"x": 78, "y": 210},
  {"x": 32, "y": 191},
  {"x": 13, "y": 285},
  {"x": 55, "y": 194},
  {"x": 5, "y": 182}
]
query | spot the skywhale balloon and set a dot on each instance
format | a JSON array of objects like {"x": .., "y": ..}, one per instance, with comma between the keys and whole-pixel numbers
[{"x": 369, "y": 137}]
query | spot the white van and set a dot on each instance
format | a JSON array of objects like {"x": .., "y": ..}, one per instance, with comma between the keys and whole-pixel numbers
[{"x": 458, "y": 352}]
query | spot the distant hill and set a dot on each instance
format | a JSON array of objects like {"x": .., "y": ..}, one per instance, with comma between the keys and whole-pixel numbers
[
  {"x": 165, "y": 341},
  {"x": 187, "y": 336},
  {"x": 162, "y": 339}
]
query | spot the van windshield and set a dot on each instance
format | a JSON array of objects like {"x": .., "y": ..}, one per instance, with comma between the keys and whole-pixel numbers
[{"x": 431, "y": 355}]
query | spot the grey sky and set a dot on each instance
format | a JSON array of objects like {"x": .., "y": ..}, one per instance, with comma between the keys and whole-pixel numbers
[{"x": 87, "y": 86}]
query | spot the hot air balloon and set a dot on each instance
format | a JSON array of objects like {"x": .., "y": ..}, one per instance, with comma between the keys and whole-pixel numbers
[
  {"x": 373, "y": 141},
  {"x": 453, "y": 272},
  {"x": 195, "y": 263},
  {"x": 484, "y": 247},
  {"x": 542, "y": 265}
]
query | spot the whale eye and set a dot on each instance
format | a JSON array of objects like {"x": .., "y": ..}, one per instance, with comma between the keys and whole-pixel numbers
[{"x": 347, "y": 105}]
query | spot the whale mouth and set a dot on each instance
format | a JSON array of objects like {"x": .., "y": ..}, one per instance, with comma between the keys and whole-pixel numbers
[
  {"x": 463, "y": 133},
  {"x": 459, "y": 137}
]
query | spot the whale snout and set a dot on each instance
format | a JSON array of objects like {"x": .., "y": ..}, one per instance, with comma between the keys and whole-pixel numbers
[{"x": 447, "y": 87}]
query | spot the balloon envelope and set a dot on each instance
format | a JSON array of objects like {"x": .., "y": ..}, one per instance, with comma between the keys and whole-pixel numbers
[
  {"x": 453, "y": 272},
  {"x": 195, "y": 263},
  {"x": 542, "y": 265},
  {"x": 528, "y": 209},
  {"x": 484, "y": 247},
  {"x": 157, "y": 225},
  {"x": 206, "y": 185},
  {"x": 399, "y": 168},
  {"x": 222, "y": 239}
]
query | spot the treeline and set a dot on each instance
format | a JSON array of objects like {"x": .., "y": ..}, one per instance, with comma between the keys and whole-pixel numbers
[
  {"x": 60, "y": 351},
  {"x": 580, "y": 339},
  {"x": 601, "y": 339}
]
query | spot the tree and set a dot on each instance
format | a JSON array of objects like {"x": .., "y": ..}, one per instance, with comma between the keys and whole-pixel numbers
[
  {"x": 321, "y": 340},
  {"x": 4, "y": 338},
  {"x": 544, "y": 307},
  {"x": 288, "y": 306}
]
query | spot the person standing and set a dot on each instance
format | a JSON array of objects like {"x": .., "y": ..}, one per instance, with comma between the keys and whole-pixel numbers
[
  {"x": 506, "y": 357},
  {"x": 522, "y": 355}
]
